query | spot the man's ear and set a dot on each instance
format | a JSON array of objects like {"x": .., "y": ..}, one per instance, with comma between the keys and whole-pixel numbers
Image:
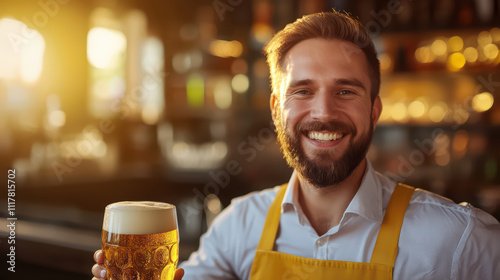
[
  {"x": 273, "y": 103},
  {"x": 376, "y": 110}
]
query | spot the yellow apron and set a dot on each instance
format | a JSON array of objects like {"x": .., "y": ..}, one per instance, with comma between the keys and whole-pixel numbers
[{"x": 269, "y": 264}]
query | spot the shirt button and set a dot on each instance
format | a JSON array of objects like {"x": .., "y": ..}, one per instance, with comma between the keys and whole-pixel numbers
[{"x": 320, "y": 242}]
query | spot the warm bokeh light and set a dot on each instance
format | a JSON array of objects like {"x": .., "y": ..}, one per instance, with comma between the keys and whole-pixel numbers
[
  {"x": 471, "y": 54},
  {"x": 438, "y": 111},
  {"x": 480, "y": 55},
  {"x": 213, "y": 208},
  {"x": 104, "y": 45},
  {"x": 417, "y": 109},
  {"x": 86, "y": 145},
  {"x": 484, "y": 38},
  {"x": 150, "y": 114},
  {"x": 490, "y": 51},
  {"x": 455, "y": 44},
  {"x": 385, "y": 62},
  {"x": 152, "y": 101},
  {"x": 262, "y": 32},
  {"x": 443, "y": 159},
  {"x": 57, "y": 118},
  {"x": 96, "y": 150},
  {"x": 439, "y": 47},
  {"x": 424, "y": 55},
  {"x": 456, "y": 51},
  {"x": 32, "y": 60},
  {"x": 240, "y": 83},
  {"x": 399, "y": 111},
  {"x": 21, "y": 56},
  {"x": 152, "y": 54},
  {"x": 223, "y": 95},
  {"x": 197, "y": 156},
  {"x": 213, "y": 203},
  {"x": 456, "y": 61},
  {"x": 223, "y": 48},
  {"x": 8, "y": 51},
  {"x": 482, "y": 102}
]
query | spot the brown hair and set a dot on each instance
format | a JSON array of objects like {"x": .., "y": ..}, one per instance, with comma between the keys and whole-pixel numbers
[{"x": 326, "y": 25}]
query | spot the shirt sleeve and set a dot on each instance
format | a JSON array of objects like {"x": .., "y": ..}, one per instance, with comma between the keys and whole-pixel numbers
[
  {"x": 214, "y": 258},
  {"x": 478, "y": 253}
]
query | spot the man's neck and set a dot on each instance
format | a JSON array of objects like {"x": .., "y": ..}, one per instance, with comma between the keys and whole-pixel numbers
[{"x": 324, "y": 207}]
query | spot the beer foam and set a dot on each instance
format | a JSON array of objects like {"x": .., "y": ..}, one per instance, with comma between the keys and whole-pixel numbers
[{"x": 140, "y": 217}]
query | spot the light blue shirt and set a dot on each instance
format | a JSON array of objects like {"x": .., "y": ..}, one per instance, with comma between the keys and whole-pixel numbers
[{"x": 439, "y": 239}]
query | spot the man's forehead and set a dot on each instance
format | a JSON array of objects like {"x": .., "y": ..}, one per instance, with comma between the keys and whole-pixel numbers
[
  {"x": 325, "y": 55},
  {"x": 316, "y": 47}
]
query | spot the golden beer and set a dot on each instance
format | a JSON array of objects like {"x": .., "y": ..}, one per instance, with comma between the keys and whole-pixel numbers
[{"x": 140, "y": 241}]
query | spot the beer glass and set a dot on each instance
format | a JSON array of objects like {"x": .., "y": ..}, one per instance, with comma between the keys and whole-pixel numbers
[{"x": 140, "y": 240}]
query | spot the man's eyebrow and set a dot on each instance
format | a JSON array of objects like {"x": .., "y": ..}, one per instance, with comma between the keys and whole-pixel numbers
[
  {"x": 298, "y": 83},
  {"x": 350, "y": 82},
  {"x": 347, "y": 82}
]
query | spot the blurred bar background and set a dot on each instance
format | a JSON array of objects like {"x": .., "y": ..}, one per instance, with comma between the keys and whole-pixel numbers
[{"x": 103, "y": 101}]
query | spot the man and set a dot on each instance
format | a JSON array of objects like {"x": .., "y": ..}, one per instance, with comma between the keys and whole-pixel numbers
[{"x": 337, "y": 218}]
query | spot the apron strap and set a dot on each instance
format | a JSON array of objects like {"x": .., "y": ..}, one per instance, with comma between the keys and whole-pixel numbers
[
  {"x": 386, "y": 246},
  {"x": 272, "y": 222}
]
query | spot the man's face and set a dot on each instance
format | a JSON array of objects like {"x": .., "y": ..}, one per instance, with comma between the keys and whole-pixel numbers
[{"x": 324, "y": 115}]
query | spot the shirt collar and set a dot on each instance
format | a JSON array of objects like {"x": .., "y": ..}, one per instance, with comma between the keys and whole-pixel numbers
[
  {"x": 367, "y": 202},
  {"x": 290, "y": 200}
]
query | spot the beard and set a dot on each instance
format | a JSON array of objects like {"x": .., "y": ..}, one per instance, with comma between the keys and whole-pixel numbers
[{"x": 323, "y": 169}]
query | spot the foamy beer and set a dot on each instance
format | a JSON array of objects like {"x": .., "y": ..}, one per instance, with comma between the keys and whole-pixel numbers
[{"x": 140, "y": 240}]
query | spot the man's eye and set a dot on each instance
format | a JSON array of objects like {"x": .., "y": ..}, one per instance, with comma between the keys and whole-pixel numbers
[
  {"x": 302, "y": 92},
  {"x": 343, "y": 92}
]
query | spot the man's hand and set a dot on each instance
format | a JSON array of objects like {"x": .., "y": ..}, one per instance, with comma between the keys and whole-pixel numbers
[{"x": 99, "y": 271}]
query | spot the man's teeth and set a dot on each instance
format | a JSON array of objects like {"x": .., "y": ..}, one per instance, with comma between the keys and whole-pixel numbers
[{"x": 325, "y": 136}]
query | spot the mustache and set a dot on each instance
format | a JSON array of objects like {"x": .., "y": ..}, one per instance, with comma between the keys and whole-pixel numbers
[{"x": 327, "y": 126}]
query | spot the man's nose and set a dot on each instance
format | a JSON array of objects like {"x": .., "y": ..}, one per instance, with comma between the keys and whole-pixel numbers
[{"x": 324, "y": 107}]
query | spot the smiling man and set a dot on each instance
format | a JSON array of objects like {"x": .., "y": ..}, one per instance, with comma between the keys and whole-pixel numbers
[
  {"x": 325, "y": 116},
  {"x": 337, "y": 218}
]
